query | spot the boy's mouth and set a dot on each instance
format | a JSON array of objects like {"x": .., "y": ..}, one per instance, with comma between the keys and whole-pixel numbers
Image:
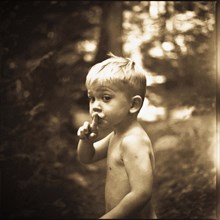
[{"x": 99, "y": 117}]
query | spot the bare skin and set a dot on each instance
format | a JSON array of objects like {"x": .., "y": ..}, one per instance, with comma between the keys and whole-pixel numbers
[
  {"x": 130, "y": 158},
  {"x": 130, "y": 164}
]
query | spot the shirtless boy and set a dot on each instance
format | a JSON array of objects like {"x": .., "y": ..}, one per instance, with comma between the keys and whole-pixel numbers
[{"x": 116, "y": 90}]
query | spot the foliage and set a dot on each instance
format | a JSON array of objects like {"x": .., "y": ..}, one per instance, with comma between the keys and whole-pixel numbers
[
  {"x": 177, "y": 40},
  {"x": 189, "y": 185}
]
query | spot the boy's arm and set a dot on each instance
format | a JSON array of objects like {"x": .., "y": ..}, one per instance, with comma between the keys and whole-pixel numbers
[
  {"x": 90, "y": 147},
  {"x": 138, "y": 165},
  {"x": 89, "y": 151}
]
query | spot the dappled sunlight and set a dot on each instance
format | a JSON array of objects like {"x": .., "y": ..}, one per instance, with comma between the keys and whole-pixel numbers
[
  {"x": 168, "y": 46},
  {"x": 79, "y": 116},
  {"x": 134, "y": 37},
  {"x": 156, "y": 8},
  {"x": 156, "y": 51},
  {"x": 183, "y": 22},
  {"x": 86, "y": 45},
  {"x": 78, "y": 178},
  {"x": 135, "y": 54},
  {"x": 87, "y": 48},
  {"x": 151, "y": 113},
  {"x": 166, "y": 142},
  {"x": 153, "y": 10},
  {"x": 182, "y": 113},
  {"x": 188, "y": 20},
  {"x": 158, "y": 79},
  {"x": 155, "y": 98},
  {"x": 93, "y": 167},
  {"x": 213, "y": 148},
  {"x": 180, "y": 40}
]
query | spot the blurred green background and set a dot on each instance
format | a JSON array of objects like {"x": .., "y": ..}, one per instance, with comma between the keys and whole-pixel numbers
[{"x": 46, "y": 50}]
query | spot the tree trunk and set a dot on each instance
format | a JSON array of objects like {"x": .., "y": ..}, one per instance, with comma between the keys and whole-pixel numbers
[{"x": 110, "y": 39}]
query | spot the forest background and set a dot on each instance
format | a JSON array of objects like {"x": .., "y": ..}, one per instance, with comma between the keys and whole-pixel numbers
[{"x": 46, "y": 50}]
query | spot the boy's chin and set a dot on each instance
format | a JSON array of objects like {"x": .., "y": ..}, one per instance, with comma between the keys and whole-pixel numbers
[{"x": 103, "y": 127}]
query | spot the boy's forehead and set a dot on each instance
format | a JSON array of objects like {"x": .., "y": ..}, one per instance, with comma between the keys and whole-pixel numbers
[{"x": 101, "y": 88}]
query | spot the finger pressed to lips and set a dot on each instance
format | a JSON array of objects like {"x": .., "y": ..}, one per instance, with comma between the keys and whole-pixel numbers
[
  {"x": 95, "y": 121},
  {"x": 99, "y": 114},
  {"x": 88, "y": 130}
]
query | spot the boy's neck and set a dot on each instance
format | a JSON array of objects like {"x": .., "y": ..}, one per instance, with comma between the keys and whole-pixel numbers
[{"x": 123, "y": 127}]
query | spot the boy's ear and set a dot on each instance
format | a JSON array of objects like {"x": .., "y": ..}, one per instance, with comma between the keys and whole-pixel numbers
[{"x": 136, "y": 103}]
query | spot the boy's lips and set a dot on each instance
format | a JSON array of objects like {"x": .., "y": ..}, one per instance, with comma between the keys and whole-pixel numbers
[{"x": 100, "y": 116}]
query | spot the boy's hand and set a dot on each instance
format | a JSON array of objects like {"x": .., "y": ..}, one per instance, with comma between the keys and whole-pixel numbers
[{"x": 89, "y": 131}]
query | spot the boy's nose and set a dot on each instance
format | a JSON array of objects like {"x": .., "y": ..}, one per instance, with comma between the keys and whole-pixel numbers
[{"x": 96, "y": 106}]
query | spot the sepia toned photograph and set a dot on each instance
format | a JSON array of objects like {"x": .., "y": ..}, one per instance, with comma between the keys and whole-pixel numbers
[{"x": 109, "y": 110}]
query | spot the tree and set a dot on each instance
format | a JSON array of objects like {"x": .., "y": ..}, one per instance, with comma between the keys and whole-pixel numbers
[{"x": 110, "y": 30}]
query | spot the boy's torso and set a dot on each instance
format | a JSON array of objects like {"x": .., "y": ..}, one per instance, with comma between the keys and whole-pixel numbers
[{"x": 117, "y": 183}]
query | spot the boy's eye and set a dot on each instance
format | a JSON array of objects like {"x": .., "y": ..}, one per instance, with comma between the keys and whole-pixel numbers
[{"x": 106, "y": 98}]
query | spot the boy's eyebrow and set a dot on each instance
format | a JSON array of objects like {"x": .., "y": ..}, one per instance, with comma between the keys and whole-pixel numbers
[
  {"x": 103, "y": 89},
  {"x": 106, "y": 89}
]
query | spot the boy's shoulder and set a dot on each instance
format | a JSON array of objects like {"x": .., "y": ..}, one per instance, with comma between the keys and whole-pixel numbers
[
  {"x": 135, "y": 140},
  {"x": 135, "y": 146}
]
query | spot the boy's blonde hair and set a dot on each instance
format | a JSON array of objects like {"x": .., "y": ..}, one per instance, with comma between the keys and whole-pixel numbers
[{"x": 121, "y": 72}]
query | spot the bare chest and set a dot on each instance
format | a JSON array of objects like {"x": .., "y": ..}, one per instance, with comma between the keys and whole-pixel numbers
[
  {"x": 114, "y": 158},
  {"x": 117, "y": 184},
  {"x": 116, "y": 172}
]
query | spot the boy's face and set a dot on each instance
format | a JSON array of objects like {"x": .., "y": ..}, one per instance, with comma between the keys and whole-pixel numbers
[{"x": 111, "y": 105}]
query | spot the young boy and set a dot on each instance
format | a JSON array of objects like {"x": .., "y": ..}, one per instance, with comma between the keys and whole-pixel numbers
[{"x": 116, "y": 90}]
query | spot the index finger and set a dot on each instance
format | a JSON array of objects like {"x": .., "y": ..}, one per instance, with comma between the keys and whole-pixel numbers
[{"x": 94, "y": 123}]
